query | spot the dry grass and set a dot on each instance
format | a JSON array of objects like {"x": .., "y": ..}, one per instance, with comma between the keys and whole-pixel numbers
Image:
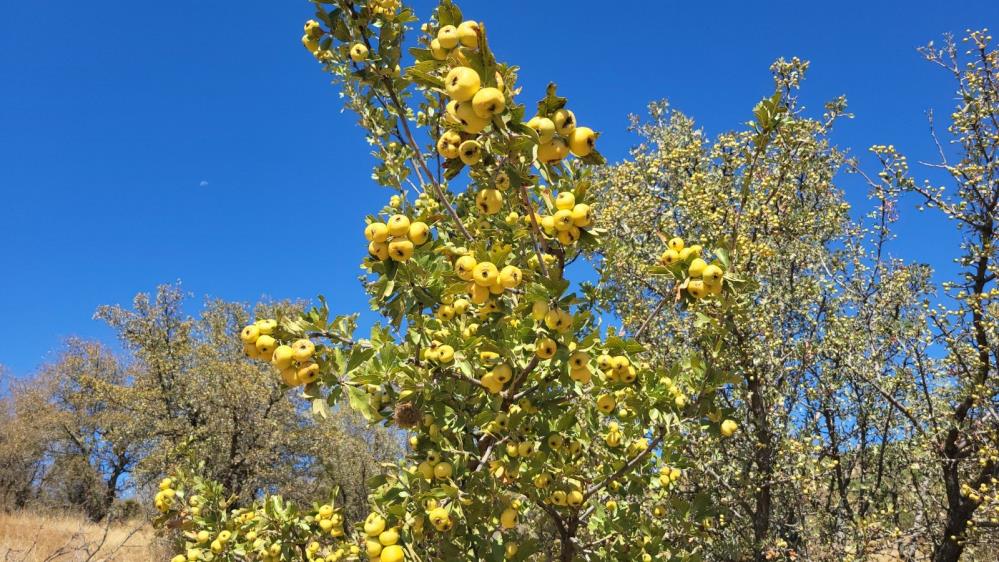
[{"x": 31, "y": 537}]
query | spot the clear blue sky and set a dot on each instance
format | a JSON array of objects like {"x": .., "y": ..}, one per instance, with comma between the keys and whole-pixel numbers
[{"x": 142, "y": 143}]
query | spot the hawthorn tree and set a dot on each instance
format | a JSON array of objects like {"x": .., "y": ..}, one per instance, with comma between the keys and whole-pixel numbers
[
  {"x": 535, "y": 432},
  {"x": 862, "y": 439}
]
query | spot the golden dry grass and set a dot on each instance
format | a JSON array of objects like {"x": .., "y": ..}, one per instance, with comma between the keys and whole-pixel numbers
[{"x": 31, "y": 537}]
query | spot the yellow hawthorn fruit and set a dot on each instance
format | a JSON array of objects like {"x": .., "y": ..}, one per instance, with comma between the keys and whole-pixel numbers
[
  {"x": 179, "y": 558},
  {"x": 448, "y": 36},
  {"x": 555, "y": 441},
  {"x": 464, "y": 266},
  {"x": 579, "y": 359},
  {"x": 303, "y": 349},
  {"x": 492, "y": 384},
  {"x": 675, "y": 244},
  {"x": 289, "y": 376},
  {"x": 418, "y": 233},
  {"x": 459, "y": 306},
  {"x": 358, "y": 52},
  {"x": 376, "y": 232},
  {"x": 544, "y": 126},
  {"x": 485, "y": 274},
  {"x": 510, "y": 550},
  {"x": 542, "y": 481},
  {"x": 613, "y": 439},
  {"x": 548, "y": 225},
  {"x": 325, "y": 511},
  {"x": 553, "y": 151},
  {"x": 510, "y": 277},
  {"x": 568, "y": 237},
  {"x": 373, "y": 548},
  {"x": 511, "y": 449},
  {"x": 581, "y": 215},
  {"x": 565, "y": 122},
  {"x": 468, "y": 34},
  {"x": 445, "y": 354},
  {"x": 461, "y": 82},
  {"x": 489, "y": 201},
  {"x": 443, "y": 470},
  {"x": 224, "y": 536},
  {"x": 669, "y": 257},
  {"x": 697, "y": 267},
  {"x": 464, "y": 114},
  {"x": 605, "y": 362},
  {"x": 445, "y": 312},
  {"x": 728, "y": 428},
  {"x": 311, "y": 43},
  {"x": 563, "y": 219},
  {"x": 488, "y": 102},
  {"x": 436, "y": 50},
  {"x": 539, "y": 310},
  {"x": 565, "y": 200},
  {"x": 695, "y": 250},
  {"x": 697, "y": 289},
  {"x": 426, "y": 470},
  {"x": 380, "y": 250},
  {"x": 581, "y": 375},
  {"x": 508, "y": 519},
  {"x": 392, "y": 553},
  {"x": 389, "y": 537},
  {"x": 307, "y": 373},
  {"x": 503, "y": 373},
  {"x": 401, "y": 250},
  {"x": 558, "y": 497},
  {"x": 574, "y": 498},
  {"x": 398, "y": 225},
  {"x": 203, "y": 537},
  {"x": 249, "y": 334},
  {"x": 479, "y": 293},
  {"x": 715, "y": 289},
  {"x": 447, "y": 144},
  {"x": 470, "y": 153},
  {"x": 502, "y": 182},
  {"x": 440, "y": 519},
  {"x": 374, "y": 524},
  {"x": 712, "y": 275},
  {"x": 545, "y": 348},
  {"x": 606, "y": 403},
  {"x": 265, "y": 346},
  {"x": 266, "y": 326},
  {"x": 582, "y": 141},
  {"x": 525, "y": 448},
  {"x": 283, "y": 356}
]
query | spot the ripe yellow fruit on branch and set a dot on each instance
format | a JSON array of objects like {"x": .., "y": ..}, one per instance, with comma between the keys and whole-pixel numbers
[
  {"x": 485, "y": 274},
  {"x": 470, "y": 152},
  {"x": 358, "y": 52},
  {"x": 565, "y": 122},
  {"x": 508, "y": 519},
  {"x": 488, "y": 102},
  {"x": 468, "y": 34},
  {"x": 728, "y": 428},
  {"x": 544, "y": 126},
  {"x": 461, "y": 83},
  {"x": 448, "y": 36},
  {"x": 582, "y": 141}
]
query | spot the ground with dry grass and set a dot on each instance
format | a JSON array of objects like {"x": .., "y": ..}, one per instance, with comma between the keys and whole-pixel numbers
[{"x": 32, "y": 537}]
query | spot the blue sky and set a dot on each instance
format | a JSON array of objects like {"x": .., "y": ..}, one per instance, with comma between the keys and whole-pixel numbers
[{"x": 198, "y": 141}]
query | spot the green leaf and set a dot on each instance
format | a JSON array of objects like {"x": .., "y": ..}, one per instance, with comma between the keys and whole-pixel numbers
[{"x": 448, "y": 13}]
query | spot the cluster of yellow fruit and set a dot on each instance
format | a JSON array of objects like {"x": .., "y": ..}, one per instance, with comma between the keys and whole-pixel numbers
[
  {"x": 384, "y": 7},
  {"x": 294, "y": 361},
  {"x": 572, "y": 497},
  {"x": 434, "y": 468},
  {"x": 330, "y": 520},
  {"x": 558, "y": 136},
  {"x": 704, "y": 279},
  {"x": 397, "y": 239},
  {"x": 382, "y": 543},
  {"x": 486, "y": 278},
  {"x": 164, "y": 497},
  {"x": 313, "y": 33},
  {"x": 668, "y": 475},
  {"x": 568, "y": 220}
]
